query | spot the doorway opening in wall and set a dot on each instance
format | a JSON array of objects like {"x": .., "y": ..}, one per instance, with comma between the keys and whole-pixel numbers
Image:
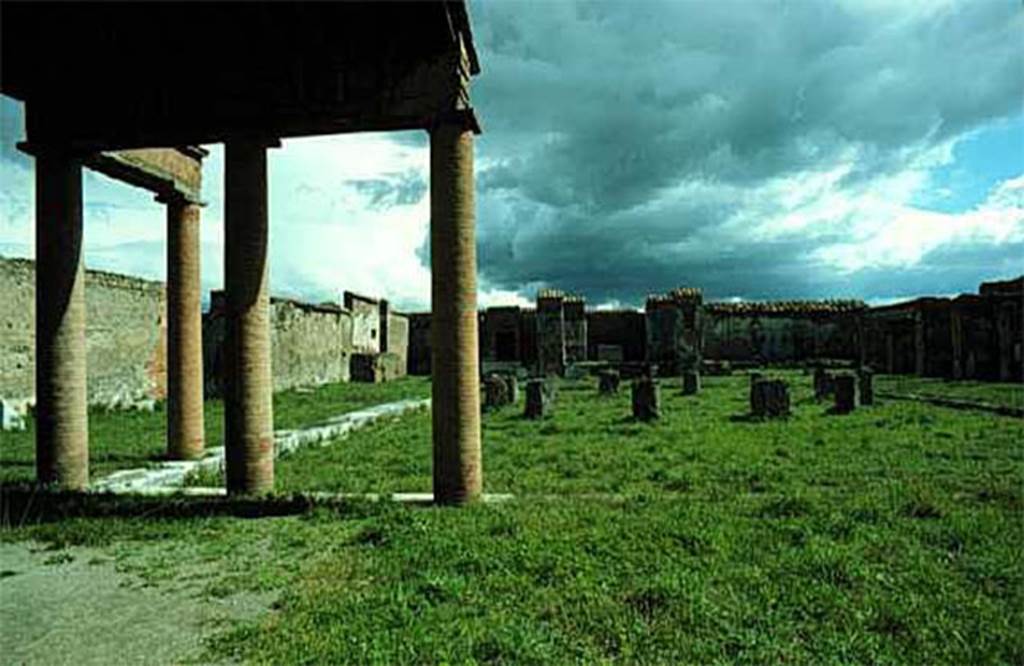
[{"x": 506, "y": 346}]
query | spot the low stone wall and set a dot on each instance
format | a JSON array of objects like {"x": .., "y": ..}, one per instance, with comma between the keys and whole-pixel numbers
[
  {"x": 310, "y": 344},
  {"x": 125, "y": 335}
]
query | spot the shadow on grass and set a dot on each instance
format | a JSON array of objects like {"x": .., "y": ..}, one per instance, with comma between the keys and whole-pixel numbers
[
  {"x": 747, "y": 417},
  {"x": 26, "y": 504}
]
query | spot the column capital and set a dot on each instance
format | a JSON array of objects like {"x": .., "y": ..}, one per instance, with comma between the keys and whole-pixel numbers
[{"x": 465, "y": 118}]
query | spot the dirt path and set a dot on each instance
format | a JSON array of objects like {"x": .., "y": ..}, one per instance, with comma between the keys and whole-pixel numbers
[{"x": 73, "y": 607}]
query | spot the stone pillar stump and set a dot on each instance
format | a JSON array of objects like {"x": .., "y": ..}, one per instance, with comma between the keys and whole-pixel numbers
[
  {"x": 646, "y": 399},
  {"x": 846, "y": 394},
  {"x": 769, "y": 398},
  {"x": 608, "y": 382},
  {"x": 538, "y": 399},
  {"x": 691, "y": 382},
  {"x": 496, "y": 393}
]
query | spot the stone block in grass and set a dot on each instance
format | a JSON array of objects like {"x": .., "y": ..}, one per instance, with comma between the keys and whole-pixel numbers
[
  {"x": 769, "y": 398},
  {"x": 646, "y": 399},
  {"x": 846, "y": 394},
  {"x": 496, "y": 393},
  {"x": 608, "y": 382},
  {"x": 691, "y": 382},
  {"x": 538, "y": 399}
]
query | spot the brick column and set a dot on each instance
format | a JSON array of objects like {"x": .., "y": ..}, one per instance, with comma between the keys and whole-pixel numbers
[
  {"x": 184, "y": 331},
  {"x": 248, "y": 401},
  {"x": 453, "y": 326},
  {"x": 62, "y": 427}
]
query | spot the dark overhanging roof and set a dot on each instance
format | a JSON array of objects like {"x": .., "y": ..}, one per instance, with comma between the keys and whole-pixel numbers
[{"x": 111, "y": 75}]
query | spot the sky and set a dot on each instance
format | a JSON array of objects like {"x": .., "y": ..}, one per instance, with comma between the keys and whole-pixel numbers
[{"x": 758, "y": 150}]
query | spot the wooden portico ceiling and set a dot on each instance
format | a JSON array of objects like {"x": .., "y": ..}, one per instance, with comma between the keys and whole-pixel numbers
[{"x": 109, "y": 76}]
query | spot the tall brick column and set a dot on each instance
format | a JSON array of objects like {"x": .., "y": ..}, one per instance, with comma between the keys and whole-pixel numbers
[
  {"x": 453, "y": 326},
  {"x": 62, "y": 427},
  {"x": 184, "y": 331},
  {"x": 248, "y": 401}
]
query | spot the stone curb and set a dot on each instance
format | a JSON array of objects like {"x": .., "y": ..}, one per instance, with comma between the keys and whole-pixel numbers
[{"x": 169, "y": 477}]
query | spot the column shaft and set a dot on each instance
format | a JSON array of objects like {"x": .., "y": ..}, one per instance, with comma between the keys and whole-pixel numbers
[
  {"x": 62, "y": 430},
  {"x": 248, "y": 400},
  {"x": 184, "y": 333},
  {"x": 453, "y": 327}
]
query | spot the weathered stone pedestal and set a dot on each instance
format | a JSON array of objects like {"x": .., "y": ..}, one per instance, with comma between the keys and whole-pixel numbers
[
  {"x": 538, "y": 399},
  {"x": 691, "y": 382},
  {"x": 646, "y": 399},
  {"x": 846, "y": 394},
  {"x": 496, "y": 393},
  {"x": 769, "y": 398},
  {"x": 608, "y": 382},
  {"x": 866, "y": 384}
]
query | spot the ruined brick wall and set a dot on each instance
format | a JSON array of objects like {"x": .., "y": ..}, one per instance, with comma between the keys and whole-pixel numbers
[
  {"x": 664, "y": 321},
  {"x": 310, "y": 344},
  {"x": 528, "y": 344},
  {"x": 551, "y": 333},
  {"x": 365, "y": 322},
  {"x": 675, "y": 335},
  {"x": 575, "y": 318},
  {"x": 782, "y": 332},
  {"x": 418, "y": 360},
  {"x": 501, "y": 334},
  {"x": 398, "y": 341},
  {"x": 625, "y": 329},
  {"x": 125, "y": 335},
  {"x": 890, "y": 340}
]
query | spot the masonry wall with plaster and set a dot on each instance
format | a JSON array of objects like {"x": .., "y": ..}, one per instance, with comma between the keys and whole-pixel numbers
[{"x": 125, "y": 335}]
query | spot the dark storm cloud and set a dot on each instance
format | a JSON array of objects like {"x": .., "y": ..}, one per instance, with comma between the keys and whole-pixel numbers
[
  {"x": 594, "y": 112},
  {"x": 402, "y": 189}
]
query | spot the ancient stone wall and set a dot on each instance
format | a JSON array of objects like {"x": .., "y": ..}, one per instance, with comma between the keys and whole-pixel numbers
[
  {"x": 418, "y": 359},
  {"x": 365, "y": 322},
  {"x": 310, "y": 344},
  {"x": 675, "y": 337},
  {"x": 398, "y": 342},
  {"x": 624, "y": 329},
  {"x": 782, "y": 332},
  {"x": 551, "y": 332},
  {"x": 575, "y": 317},
  {"x": 501, "y": 334},
  {"x": 125, "y": 335}
]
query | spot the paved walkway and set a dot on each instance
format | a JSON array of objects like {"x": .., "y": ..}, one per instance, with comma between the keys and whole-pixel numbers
[{"x": 169, "y": 477}]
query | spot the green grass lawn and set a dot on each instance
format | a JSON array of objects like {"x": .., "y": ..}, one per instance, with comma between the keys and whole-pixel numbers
[
  {"x": 994, "y": 393},
  {"x": 892, "y": 535},
  {"x": 120, "y": 439}
]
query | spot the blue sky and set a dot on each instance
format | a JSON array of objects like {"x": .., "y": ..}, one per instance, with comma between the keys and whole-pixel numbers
[{"x": 755, "y": 149}]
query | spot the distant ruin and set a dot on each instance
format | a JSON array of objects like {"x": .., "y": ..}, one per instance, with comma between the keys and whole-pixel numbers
[
  {"x": 972, "y": 336},
  {"x": 126, "y": 338}
]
